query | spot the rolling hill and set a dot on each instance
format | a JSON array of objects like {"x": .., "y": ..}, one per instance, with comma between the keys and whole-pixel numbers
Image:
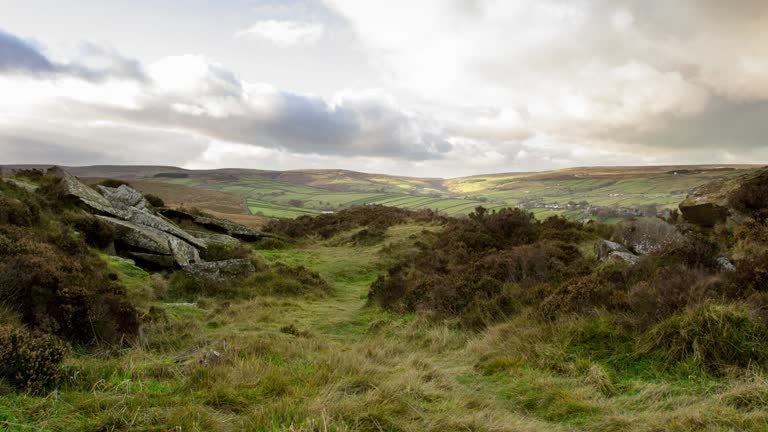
[{"x": 606, "y": 193}]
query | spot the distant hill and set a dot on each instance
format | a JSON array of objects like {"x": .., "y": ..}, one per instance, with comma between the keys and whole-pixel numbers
[{"x": 605, "y": 193}]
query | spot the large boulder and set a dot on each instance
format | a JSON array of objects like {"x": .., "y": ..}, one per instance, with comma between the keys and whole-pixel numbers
[
  {"x": 221, "y": 271},
  {"x": 707, "y": 205},
  {"x": 647, "y": 235}
]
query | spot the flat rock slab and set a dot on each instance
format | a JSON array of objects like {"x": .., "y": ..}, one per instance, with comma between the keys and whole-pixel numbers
[
  {"x": 221, "y": 271},
  {"x": 151, "y": 241}
]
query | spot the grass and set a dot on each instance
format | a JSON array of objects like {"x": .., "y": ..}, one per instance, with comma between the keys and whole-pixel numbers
[{"x": 347, "y": 366}]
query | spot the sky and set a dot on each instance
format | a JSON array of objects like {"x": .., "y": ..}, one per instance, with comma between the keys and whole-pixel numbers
[{"x": 440, "y": 88}]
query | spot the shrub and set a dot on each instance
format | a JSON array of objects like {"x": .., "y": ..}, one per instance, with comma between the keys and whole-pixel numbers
[
  {"x": 582, "y": 294},
  {"x": 114, "y": 183},
  {"x": 30, "y": 361},
  {"x": 328, "y": 225},
  {"x": 752, "y": 272},
  {"x": 712, "y": 336},
  {"x": 289, "y": 281},
  {"x": 60, "y": 287},
  {"x": 751, "y": 197},
  {"x": 16, "y": 212},
  {"x": 697, "y": 251},
  {"x": 154, "y": 200},
  {"x": 670, "y": 290},
  {"x": 97, "y": 233},
  {"x": 220, "y": 252}
]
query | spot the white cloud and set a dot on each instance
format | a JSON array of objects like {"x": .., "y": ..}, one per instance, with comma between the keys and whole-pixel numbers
[{"x": 285, "y": 33}]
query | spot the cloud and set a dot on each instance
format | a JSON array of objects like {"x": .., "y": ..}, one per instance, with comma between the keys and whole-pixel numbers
[
  {"x": 574, "y": 70},
  {"x": 194, "y": 94},
  {"x": 284, "y": 33},
  {"x": 449, "y": 88},
  {"x": 20, "y": 57}
]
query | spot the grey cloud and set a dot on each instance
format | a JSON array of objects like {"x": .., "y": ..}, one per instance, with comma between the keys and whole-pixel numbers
[
  {"x": 65, "y": 143},
  {"x": 18, "y": 56},
  {"x": 301, "y": 124},
  {"x": 724, "y": 125}
]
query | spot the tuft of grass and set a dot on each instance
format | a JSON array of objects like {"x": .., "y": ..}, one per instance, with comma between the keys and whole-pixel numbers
[{"x": 711, "y": 336}]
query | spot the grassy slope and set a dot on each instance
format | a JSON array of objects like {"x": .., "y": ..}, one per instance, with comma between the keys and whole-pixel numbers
[{"x": 359, "y": 368}]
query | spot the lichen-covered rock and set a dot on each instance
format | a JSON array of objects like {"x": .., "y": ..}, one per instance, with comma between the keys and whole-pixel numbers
[
  {"x": 147, "y": 219},
  {"x": 124, "y": 196},
  {"x": 210, "y": 239},
  {"x": 151, "y": 245},
  {"x": 725, "y": 264},
  {"x": 215, "y": 224},
  {"x": 626, "y": 257},
  {"x": 230, "y": 228},
  {"x": 220, "y": 271},
  {"x": 647, "y": 235},
  {"x": 183, "y": 252},
  {"x": 606, "y": 250},
  {"x": 603, "y": 248},
  {"x": 78, "y": 190},
  {"x": 139, "y": 237},
  {"x": 29, "y": 187}
]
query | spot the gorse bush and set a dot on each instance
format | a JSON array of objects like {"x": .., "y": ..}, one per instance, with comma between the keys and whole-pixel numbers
[{"x": 29, "y": 361}]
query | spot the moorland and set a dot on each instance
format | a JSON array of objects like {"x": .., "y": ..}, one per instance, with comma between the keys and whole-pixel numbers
[{"x": 122, "y": 311}]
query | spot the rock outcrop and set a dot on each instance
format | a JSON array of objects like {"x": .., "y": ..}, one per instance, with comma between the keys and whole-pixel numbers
[
  {"x": 215, "y": 224},
  {"x": 707, "y": 205},
  {"x": 29, "y": 187},
  {"x": 140, "y": 232}
]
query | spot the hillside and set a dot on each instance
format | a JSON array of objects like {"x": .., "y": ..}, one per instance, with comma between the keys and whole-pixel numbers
[
  {"x": 380, "y": 319},
  {"x": 603, "y": 193}
]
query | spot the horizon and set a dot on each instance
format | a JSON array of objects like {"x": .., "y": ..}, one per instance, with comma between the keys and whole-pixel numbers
[
  {"x": 704, "y": 166},
  {"x": 421, "y": 89}
]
